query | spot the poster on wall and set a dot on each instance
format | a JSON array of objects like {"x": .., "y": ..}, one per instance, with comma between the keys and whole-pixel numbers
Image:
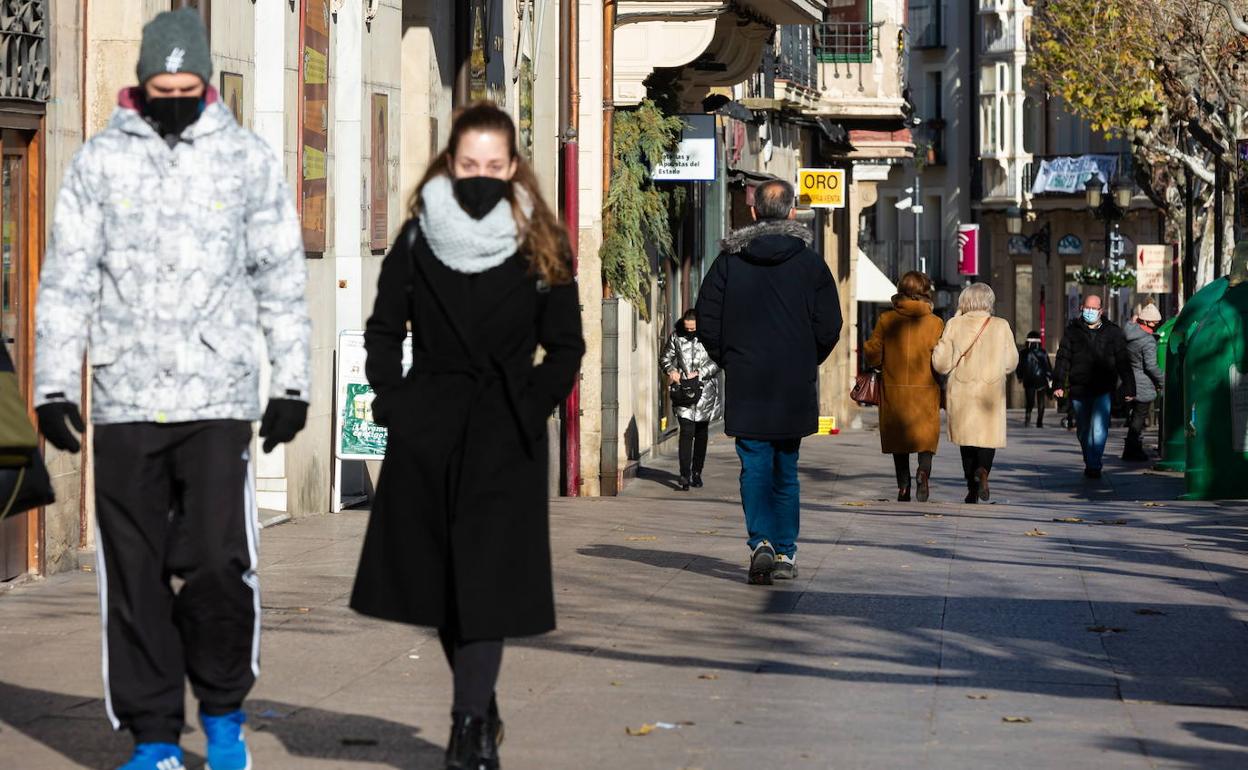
[
  {"x": 380, "y": 176},
  {"x": 357, "y": 436},
  {"x": 314, "y": 119},
  {"x": 968, "y": 249},
  {"x": 232, "y": 94}
]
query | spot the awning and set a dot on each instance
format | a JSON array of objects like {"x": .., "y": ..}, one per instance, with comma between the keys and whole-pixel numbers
[{"x": 872, "y": 285}]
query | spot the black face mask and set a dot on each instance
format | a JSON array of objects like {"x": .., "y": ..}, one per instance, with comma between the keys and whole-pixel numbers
[
  {"x": 173, "y": 114},
  {"x": 478, "y": 195}
]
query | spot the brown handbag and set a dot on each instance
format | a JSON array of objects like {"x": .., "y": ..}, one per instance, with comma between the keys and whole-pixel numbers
[{"x": 868, "y": 388}]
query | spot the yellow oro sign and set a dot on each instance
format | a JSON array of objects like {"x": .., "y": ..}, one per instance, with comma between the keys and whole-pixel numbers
[{"x": 821, "y": 188}]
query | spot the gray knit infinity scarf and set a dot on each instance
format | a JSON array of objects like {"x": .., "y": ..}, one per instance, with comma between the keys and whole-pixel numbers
[{"x": 464, "y": 244}]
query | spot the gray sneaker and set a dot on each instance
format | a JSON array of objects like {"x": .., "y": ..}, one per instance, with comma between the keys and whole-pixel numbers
[
  {"x": 785, "y": 569},
  {"x": 762, "y": 562}
]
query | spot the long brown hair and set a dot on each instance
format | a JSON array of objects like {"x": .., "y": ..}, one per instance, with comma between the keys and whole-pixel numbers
[{"x": 545, "y": 240}]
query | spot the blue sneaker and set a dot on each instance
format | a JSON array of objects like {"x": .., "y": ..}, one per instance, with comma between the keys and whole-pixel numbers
[
  {"x": 226, "y": 748},
  {"x": 155, "y": 756}
]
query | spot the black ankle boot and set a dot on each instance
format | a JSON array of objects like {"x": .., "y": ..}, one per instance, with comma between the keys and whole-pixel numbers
[
  {"x": 472, "y": 746},
  {"x": 972, "y": 491},
  {"x": 695, "y": 480},
  {"x": 903, "y": 493}
]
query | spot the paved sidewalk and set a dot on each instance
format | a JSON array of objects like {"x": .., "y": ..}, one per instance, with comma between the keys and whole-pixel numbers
[{"x": 913, "y": 634}]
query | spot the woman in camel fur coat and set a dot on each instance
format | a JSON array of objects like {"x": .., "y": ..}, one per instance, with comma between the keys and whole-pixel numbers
[{"x": 977, "y": 352}]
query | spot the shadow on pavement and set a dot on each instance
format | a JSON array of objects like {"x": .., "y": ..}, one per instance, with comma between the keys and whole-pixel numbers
[
  {"x": 76, "y": 728},
  {"x": 650, "y": 557}
]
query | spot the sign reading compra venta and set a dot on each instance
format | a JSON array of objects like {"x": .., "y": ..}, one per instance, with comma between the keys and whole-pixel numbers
[
  {"x": 694, "y": 157},
  {"x": 821, "y": 188}
]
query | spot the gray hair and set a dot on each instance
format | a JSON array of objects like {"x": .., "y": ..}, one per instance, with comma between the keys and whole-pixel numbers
[
  {"x": 773, "y": 199},
  {"x": 977, "y": 297}
]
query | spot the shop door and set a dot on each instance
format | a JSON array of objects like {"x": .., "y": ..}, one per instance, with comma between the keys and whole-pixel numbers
[{"x": 15, "y": 318}]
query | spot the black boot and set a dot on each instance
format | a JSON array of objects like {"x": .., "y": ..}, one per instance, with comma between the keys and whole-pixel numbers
[
  {"x": 903, "y": 492},
  {"x": 696, "y": 479},
  {"x": 472, "y": 745},
  {"x": 1027, "y": 419},
  {"x": 972, "y": 491},
  {"x": 683, "y": 484}
]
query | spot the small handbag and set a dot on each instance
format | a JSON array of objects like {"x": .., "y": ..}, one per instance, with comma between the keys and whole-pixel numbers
[
  {"x": 868, "y": 388},
  {"x": 687, "y": 392},
  {"x": 24, "y": 482}
]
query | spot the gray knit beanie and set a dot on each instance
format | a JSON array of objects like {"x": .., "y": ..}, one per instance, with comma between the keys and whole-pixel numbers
[{"x": 175, "y": 41}]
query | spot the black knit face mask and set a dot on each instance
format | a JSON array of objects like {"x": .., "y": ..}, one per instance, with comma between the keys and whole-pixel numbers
[
  {"x": 478, "y": 195},
  {"x": 173, "y": 114}
]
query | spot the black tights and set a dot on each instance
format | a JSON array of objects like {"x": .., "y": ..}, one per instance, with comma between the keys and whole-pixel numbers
[
  {"x": 901, "y": 462},
  {"x": 974, "y": 458},
  {"x": 475, "y": 664},
  {"x": 1036, "y": 398}
]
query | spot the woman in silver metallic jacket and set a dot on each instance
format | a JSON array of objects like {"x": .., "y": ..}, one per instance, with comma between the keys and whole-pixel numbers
[{"x": 684, "y": 357}]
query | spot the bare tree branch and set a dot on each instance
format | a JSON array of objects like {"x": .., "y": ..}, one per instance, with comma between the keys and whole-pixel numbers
[{"x": 1237, "y": 19}]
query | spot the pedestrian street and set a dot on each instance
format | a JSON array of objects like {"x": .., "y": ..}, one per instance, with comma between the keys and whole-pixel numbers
[{"x": 1072, "y": 623}]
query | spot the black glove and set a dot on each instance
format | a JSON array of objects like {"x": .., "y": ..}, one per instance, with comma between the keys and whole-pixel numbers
[
  {"x": 283, "y": 419},
  {"x": 52, "y": 417}
]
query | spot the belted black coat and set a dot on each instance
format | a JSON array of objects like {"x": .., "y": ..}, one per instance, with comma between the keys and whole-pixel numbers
[{"x": 459, "y": 533}]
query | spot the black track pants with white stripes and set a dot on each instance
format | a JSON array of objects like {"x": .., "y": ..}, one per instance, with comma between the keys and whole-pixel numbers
[{"x": 176, "y": 500}]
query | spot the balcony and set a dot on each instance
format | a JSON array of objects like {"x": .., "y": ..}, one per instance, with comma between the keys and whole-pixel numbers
[
  {"x": 847, "y": 42},
  {"x": 930, "y": 139},
  {"x": 926, "y": 25},
  {"x": 997, "y": 37}
]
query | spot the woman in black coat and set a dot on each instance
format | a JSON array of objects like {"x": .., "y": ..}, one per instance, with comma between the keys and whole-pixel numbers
[{"x": 458, "y": 537}]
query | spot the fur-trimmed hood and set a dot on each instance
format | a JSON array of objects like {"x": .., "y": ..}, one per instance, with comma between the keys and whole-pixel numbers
[{"x": 769, "y": 241}]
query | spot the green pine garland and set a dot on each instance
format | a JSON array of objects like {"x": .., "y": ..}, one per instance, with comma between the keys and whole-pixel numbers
[{"x": 636, "y": 211}]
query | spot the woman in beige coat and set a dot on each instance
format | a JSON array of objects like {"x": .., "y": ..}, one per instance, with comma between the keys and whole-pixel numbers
[{"x": 977, "y": 352}]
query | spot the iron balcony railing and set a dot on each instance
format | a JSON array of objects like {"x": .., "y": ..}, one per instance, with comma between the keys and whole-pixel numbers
[
  {"x": 857, "y": 41},
  {"x": 795, "y": 59},
  {"x": 926, "y": 30}
]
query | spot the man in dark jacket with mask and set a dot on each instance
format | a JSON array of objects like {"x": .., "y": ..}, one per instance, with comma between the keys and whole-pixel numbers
[
  {"x": 175, "y": 246},
  {"x": 1093, "y": 356},
  {"x": 768, "y": 314}
]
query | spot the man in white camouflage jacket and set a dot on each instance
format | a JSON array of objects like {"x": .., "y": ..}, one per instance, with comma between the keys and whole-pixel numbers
[{"x": 175, "y": 244}]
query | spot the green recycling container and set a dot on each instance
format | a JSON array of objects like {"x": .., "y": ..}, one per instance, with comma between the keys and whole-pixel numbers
[
  {"x": 1215, "y": 378},
  {"x": 1177, "y": 405}
]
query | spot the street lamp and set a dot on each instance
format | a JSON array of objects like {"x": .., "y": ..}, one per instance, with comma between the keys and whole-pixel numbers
[
  {"x": 1041, "y": 241},
  {"x": 1110, "y": 210}
]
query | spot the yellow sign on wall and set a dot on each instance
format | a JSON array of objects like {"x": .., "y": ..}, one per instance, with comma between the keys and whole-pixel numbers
[{"x": 821, "y": 188}]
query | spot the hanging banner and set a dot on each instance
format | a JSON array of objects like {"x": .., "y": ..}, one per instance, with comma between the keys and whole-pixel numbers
[
  {"x": 314, "y": 119},
  {"x": 968, "y": 249},
  {"x": 1069, "y": 175},
  {"x": 380, "y": 174},
  {"x": 1153, "y": 269},
  {"x": 821, "y": 188}
]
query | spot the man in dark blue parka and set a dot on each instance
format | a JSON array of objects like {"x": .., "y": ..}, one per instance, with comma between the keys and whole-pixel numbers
[{"x": 769, "y": 314}]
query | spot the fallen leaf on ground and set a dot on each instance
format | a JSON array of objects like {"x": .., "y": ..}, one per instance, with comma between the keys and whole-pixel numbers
[
  {"x": 1147, "y": 611},
  {"x": 1106, "y": 630},
  {"x": 620, "y": 528},
  {"x": 856, "y": 504},
  {"x": 650, "y": 727},
  {"x": 930, "y": 542},
  {"x": 1154, "y": 505},
  {"x": 642, "y": 538},
  {"x": 978, "y": 696},
  {"x": 1036, "y": 533},
  {"x": 707, "y": 531},
  {"x": 933, "y": 515},
  {"x": 1112, "y": 522},
  {"x": 1069, "y": 520},
  {"x": 708, "y": 676},
  {"x": 1016, "y": 720},
  {"x": 645, "y": 729}
]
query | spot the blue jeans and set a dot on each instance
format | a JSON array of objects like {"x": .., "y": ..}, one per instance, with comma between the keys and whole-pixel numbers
[
  {"x": 1092, "y": 417},
  {"x": 770, "y": 492}
]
